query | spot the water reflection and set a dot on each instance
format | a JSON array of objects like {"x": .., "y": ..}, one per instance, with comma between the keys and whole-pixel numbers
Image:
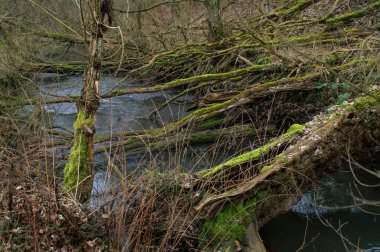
[
  {"x": 328, "y": 218},
  {"x": 127, "y": 112}
]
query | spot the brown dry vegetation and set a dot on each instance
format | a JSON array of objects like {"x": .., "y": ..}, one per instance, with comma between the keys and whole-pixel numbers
[{"x": 273, "y": 69}]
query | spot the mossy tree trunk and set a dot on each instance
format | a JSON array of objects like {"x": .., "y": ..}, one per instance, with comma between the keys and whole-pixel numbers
[
  {"x": 214, "y": 20},
  {"x": 78, "y": 172},
  {"x": 313, "y": 150}
]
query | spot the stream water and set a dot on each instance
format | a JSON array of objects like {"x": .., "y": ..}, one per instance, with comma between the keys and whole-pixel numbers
[
  {"x": 329, "y": 218},
  {"x": 122, "y": 113},
  {"x": 330, "y": 203}
]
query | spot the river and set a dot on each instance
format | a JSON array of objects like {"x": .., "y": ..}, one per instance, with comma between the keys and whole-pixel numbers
[
  {"x": 305, "y": 223},
  {"x": 328, "y": 218}
]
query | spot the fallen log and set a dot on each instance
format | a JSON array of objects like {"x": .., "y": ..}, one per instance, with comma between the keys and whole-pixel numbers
[
  {"x": 275, "y": 186},
  {"x": 139, "y": 142},
  {"x": 354, "y": 14},
  {"x": 133, "y": 143},
  {"x": 140, "y": 145}
]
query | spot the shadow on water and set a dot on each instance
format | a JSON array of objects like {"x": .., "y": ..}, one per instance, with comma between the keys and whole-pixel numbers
[{"x": 329, "y": 218}]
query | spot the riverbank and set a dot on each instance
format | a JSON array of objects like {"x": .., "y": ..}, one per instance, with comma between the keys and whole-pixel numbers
[{"x": 215, "y": 139}]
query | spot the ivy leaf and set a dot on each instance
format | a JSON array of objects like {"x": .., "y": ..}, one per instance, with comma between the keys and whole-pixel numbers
[
  {"x": 375, "y": 76},
  {"x": 346, "y": 86},
  {"x": 334, "y": 86},
  {"x": 321, "y": 85},
  {"x": 342, "y": 98}
]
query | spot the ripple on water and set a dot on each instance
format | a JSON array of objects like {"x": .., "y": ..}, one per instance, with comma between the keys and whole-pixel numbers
[
  {"x": 327, "y": 207},
  {"x": 127, "y": 112}
]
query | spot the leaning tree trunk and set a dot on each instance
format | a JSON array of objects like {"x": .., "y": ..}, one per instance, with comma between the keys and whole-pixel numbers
[
  {"x": 78, "y": 172},
  {"x": 305, "y": 153},
  {"x": 214, "y": 20}
]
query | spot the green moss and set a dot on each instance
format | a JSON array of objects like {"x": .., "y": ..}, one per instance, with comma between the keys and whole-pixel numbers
[
  {"x": 355, "y": 14},
  {"x": 229, "y": 224},
  {"x": 368, "y": 101},
  {"x": 264, "y": 60},
  {"x": 232, "y": 222},
  {"x": 154, "y": 173},
  {"x": 276, "y": 159},
  {"x": 360, "y": 104},
  {"x": 207, "y": 112},
  {"x": 257, "y": 153},
  {"x": 211, "y": 122},
  {"x": 75, "y": 170},
  {"x": 244, "y": 158},
  {"x": 294, "y": 130},
  {"x": 265, "y": 168},
  {"x": 298, "y": 6},
  {"x": 215, "y": 76},
  {"x": 196, "y": 114},
  {"x": 332, "y": 59},
  {"x": 81, "y": 120},
  {"x": 76, "y": 96},
  {"x": 56, "y": 67}
]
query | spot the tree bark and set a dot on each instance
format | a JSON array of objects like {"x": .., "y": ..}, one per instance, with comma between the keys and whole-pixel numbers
[
  {"x": 313, "y": 151},
  {"x": 214, "y": 20},
  {"x": 78, "y": 172}
]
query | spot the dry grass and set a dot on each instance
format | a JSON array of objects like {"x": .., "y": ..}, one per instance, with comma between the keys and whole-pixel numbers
[{"x": 149, "y": 207}]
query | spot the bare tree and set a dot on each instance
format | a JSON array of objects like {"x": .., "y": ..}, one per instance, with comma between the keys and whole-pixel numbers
[{"x": 79, "y": 170}]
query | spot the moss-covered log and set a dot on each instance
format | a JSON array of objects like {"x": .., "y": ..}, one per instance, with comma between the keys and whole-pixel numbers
[
  {"x": 252, "y": 155},
  {"x": 140, "y": 144},
  {"x": 249, "y": 94},
  {"x": 355, "y": 14},
  {"x": 172, "y": 84},
  {"x": 314, "y": 152},
  {"x": 298, "y": 6},
  {"x": 203, "y": 118},
  {"x": 342, "y": 36}
]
